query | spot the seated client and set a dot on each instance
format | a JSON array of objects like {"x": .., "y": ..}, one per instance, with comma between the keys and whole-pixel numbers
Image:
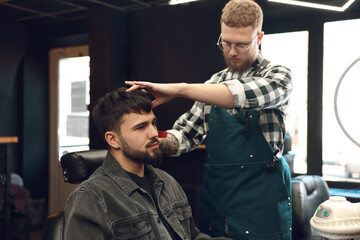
[{"x": 127, "y": 198}]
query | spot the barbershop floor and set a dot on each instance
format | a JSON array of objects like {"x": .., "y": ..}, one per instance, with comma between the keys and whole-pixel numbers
[{"x": 36, "y": 234}]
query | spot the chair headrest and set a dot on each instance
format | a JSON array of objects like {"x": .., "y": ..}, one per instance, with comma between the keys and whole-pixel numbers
[
  {"x": 309, "y": 182},
  {"x": 78, "y": 166},
  {"x": 287, "y": 143},
  {"x": 312, "y": 183}
]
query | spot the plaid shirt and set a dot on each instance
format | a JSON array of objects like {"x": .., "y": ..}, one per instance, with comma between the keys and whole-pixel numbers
[{"x": 268, "y": 93}]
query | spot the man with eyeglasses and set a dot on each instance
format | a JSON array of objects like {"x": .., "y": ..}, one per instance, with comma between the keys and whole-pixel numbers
[{"x": 246, "y": 190}]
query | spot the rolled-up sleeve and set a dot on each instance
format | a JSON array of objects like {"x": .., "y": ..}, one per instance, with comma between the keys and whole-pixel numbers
[
  {"x": 270, "y": 90},
  {"x": 237, "y": 91},
  {"x": 190, "y": 129}
]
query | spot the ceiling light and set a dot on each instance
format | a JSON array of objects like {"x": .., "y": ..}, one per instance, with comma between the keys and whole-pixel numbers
[
  {"x": 174, "y": 2},
  {"x": 316, "y": 5}
]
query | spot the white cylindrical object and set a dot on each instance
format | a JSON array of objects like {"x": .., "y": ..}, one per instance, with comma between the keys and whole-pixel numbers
[{"x": 337, "y": 218}]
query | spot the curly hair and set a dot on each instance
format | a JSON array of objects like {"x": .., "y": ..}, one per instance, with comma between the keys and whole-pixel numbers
[
  {"x": 242, "y": 13},
  {"x": 109, "y": 110}
]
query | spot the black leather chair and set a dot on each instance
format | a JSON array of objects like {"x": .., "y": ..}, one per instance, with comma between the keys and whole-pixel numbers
[
  {"x": 308, "y": 192},
  {"x": 77, "y": 167},
  {"x": 53, "y": 227}
]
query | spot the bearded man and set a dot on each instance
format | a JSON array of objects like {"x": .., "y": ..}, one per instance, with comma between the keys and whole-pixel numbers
[{"x": 128, "y": 198}]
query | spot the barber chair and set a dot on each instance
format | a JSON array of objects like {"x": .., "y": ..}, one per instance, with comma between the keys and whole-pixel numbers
[
  {"x": 77, "y": 167},
  {"x": 308, "y": 192}
]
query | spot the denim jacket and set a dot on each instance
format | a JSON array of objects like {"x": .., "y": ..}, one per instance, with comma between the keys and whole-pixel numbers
[{"x": 110, "y": 205}]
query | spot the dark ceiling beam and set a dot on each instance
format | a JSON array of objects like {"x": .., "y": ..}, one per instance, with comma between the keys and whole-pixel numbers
[
  {"x": 71, "y": 4},
  {"x": 140, "y": 6},
  {"x": 42, "y": 14},
  {"x": 107, "y": 5},
  {"x": 141, "y": 3},
  {"x": 46, "y": 15},
  {"x": 75, "y": 7}
]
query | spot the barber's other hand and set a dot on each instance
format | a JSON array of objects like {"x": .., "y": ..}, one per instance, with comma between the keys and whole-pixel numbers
[{"x": 162, "y": 92}]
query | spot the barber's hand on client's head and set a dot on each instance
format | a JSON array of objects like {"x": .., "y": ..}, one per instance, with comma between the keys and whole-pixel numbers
[{"x": 162, "y": 92}]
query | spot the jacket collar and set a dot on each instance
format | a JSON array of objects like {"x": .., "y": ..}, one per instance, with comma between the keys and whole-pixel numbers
[{"x": 114, "y": 170}]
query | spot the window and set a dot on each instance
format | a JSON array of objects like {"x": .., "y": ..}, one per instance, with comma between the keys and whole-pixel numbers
[
  {"x": 341, "y": 129},
  {"x": 74, "y": 97},
  {"x": 291, "y": 50},
  {"x": 69, "y": 117}
]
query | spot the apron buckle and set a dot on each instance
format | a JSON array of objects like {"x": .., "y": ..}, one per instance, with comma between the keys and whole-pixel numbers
[{"x": 271, "y": 164}]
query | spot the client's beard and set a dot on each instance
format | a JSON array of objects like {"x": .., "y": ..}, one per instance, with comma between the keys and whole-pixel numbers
[{"x": 142, "y": 156}]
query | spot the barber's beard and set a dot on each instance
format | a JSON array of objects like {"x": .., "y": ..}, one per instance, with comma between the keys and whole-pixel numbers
[
  {"x": 142, "y": 156},
  {"x": 240, "y": 66}
]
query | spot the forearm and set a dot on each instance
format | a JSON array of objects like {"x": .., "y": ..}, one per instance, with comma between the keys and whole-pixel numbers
[
  {"x": 213, "y": 94},
  {"x": 169, "y": 145}
]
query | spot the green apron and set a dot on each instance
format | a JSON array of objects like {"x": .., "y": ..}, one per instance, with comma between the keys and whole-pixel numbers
[{"x": 240, "y": 198}]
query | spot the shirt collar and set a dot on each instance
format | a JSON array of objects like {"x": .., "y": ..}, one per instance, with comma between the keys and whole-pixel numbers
[
  {"x": 257, "y": 61},
  {"x": 231, "y": 75}
]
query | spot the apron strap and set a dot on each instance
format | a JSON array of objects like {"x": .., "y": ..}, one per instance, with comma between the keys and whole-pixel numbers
[{"x": 261, "y": 67}]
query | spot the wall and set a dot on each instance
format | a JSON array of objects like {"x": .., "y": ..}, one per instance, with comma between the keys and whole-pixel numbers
[
  {"x": 24, "y": 96},
  {"x": 176, "y": 44},
  {"x": 13, "y": 44}
]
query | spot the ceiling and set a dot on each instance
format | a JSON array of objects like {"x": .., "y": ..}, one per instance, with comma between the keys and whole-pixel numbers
[
  {"x": 43, "y": 11},
  {"x": 62, "y": 10}
]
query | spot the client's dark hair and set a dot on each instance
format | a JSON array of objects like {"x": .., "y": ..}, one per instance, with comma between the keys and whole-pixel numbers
[{"x": 108, "y": 110}]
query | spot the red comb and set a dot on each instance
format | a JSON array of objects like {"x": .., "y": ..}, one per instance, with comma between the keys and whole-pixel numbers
[{"x": 162, "y": 134}]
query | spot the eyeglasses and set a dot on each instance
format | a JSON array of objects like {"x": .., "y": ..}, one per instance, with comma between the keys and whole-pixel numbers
[{"x": 239, "y": 48}]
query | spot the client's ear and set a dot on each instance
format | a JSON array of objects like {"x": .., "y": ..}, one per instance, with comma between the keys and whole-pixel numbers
[{"x": 112, "y": 139}]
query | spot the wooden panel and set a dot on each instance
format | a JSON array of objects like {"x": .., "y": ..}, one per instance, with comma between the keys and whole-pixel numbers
[{"x": 9, "y": 139}]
